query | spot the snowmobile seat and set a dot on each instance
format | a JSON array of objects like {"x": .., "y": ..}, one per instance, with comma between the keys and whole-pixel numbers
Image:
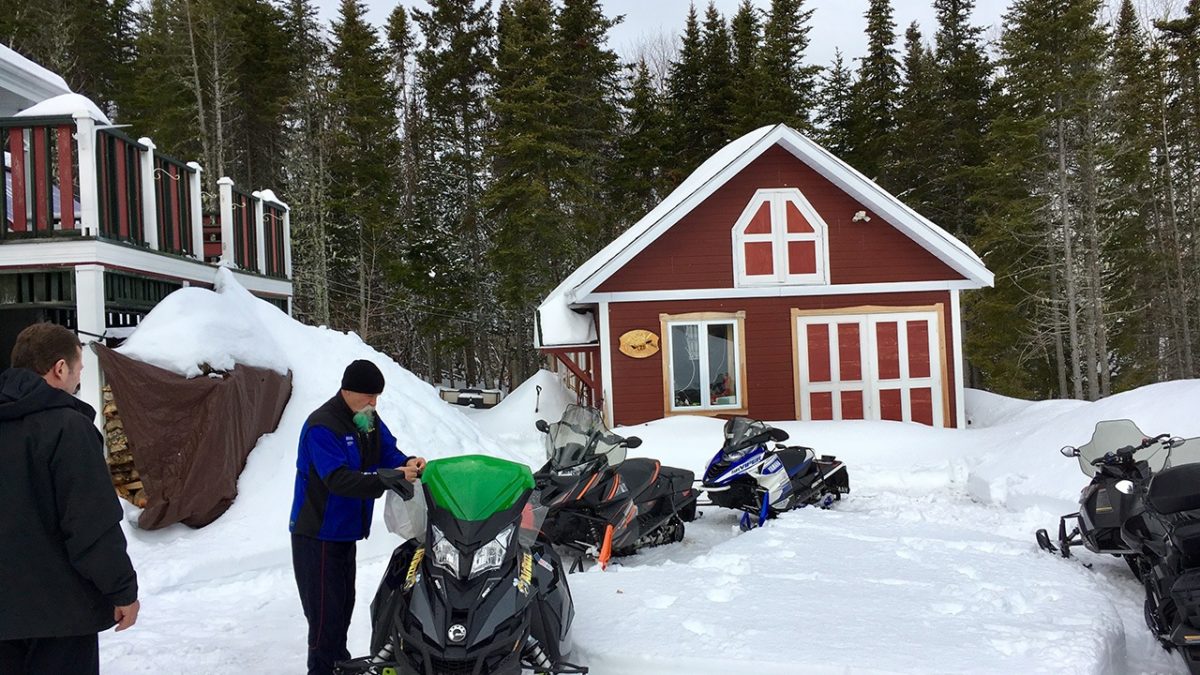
[
  {"x": 677, "y": 479},
  {"x": 1176, "y": 489},
  {"x": 638, "y": 473},
  {"x": 796, "y": 460}
]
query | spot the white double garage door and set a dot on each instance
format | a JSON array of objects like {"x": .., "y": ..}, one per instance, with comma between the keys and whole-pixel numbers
[{"x": 871, "y": 363}]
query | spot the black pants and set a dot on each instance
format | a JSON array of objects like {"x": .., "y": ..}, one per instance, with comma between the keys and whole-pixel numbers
[
  {"x": 37, "y": 656},
  {"x": 325, "y": 577}
]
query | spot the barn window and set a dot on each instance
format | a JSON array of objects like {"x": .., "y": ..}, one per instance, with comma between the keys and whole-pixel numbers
[
  {"x": 705, "y": 364},
  {"x": 780, "y": 240}
]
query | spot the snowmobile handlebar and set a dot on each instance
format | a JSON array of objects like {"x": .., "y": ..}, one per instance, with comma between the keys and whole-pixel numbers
[{"x": 1128, "y": 451}]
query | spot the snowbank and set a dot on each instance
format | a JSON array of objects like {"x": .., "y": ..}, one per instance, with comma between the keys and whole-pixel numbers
[
  {"x": 194, "y": 326},
  {"x": 542, "y": 396}
]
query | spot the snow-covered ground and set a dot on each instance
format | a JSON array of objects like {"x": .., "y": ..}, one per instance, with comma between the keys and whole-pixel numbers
[{"x": 928, "y": 566}]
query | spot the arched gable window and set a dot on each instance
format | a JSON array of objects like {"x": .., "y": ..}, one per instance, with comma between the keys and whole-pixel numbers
[{"x": 780, "y": 240}]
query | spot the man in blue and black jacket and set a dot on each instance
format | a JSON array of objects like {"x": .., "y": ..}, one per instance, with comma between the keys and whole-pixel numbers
[{"x": 342, "y": 445}]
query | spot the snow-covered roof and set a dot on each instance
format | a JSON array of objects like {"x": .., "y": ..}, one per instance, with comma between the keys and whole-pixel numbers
[
  {"x": 65, "y": 104},
  {"x": 559, "y": 322},
  {"x": 23, "y": 82}
]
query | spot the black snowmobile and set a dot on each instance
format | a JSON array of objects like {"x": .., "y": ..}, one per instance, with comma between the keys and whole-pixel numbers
[
  {"x": 762, "y": 482},
  {"x": 1118, "y": 458},
  {"x": 602, "y": 504},
  {"x": 481, "y": 594},
  {"x": 1165, "y": 533}
]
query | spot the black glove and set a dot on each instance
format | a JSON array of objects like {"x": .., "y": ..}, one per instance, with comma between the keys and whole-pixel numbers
[{"x": 394, "y": 480}]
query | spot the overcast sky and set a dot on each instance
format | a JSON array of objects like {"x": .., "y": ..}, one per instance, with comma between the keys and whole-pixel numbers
[{"x": 835, "y": 23}]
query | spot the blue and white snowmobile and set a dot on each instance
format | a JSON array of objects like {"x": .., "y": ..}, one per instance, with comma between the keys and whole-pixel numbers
[{"x": 763, "y": 482}]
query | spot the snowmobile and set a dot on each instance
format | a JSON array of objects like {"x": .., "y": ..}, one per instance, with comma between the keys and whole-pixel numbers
[
  {"x": 604, "y": 505},
  {"x": 1117, "y": 458},
  {"x": 1165, "y": 534},
  {"x": 747, "y": 476},
  {"x": 479, "y": 592}
]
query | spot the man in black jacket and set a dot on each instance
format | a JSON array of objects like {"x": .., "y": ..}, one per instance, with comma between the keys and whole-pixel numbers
[
  {"x": 342, "y": 446},
  {"x": 64, "y": 572}
]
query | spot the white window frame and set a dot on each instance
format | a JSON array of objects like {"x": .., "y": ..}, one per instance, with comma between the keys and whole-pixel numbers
[
  {"x": 779, "y": 237},
  {"x": 868, "y": 360},
  {"x": 702, "y": 321}
]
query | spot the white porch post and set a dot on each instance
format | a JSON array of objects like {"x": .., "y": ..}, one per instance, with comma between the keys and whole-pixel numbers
[
  {"x": 259, "y": 237},
  {"x": 149, "y": 198},
  {"x": 89, "y": 192},
  {"x": 606, "y": 383},
  {"x": 960, "y": 406},
  {"x": 287, "y": 243},
  {"x": 197, "y": 212},
  {"x": 227, "y": 250},
  {"x": 90, "y": 318}
]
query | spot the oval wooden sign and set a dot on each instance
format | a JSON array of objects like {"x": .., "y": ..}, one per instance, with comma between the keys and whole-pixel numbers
[{"x": 639, "y": 344}]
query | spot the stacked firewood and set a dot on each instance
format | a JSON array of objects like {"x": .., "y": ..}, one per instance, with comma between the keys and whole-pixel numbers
[{"x": 125, "y": 475}]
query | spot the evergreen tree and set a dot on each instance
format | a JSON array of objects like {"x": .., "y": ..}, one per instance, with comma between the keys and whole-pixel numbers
[
  {"x": 685, "y": 86},
  {"x": 362, "y": 171},
  {"x": 454, "y": 77},
  {"x": 639, "y": 184},
  {"x": 529, "y": 154},
  {"x": 874, "y": 102},
  {"x": 1052, "y": 54},
  {"x": 834, "y": 117},
  {"x": 587, "y": 86},
  {"x": 717, "y": 84},
  {"x": 1135, "y": 245},
  {"x": 789, "y": 90},
  {"x": 307, "y": 150},
  {"x": 963, "y": 74},
  {"x": 748, "y": 77},
  {"x": 915, "y": 163}
]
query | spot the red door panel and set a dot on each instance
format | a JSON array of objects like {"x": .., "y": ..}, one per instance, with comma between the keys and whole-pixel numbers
[
  {"x": 818, "y": 354},
  {"x": 887, "y": 345}
]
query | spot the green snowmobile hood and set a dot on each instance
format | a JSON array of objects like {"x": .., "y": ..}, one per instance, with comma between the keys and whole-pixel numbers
[{"x": 473, "y": 487}]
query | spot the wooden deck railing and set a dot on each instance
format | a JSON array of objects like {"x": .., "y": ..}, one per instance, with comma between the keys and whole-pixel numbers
[
  {"x": 65, "y": 175},
  {"x": 41, "y": 192}
]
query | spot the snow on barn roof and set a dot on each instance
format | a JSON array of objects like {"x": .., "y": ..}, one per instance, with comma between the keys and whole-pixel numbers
[
  {"x": 23, "y": 82},
  {"x": 560, "y": 320}
]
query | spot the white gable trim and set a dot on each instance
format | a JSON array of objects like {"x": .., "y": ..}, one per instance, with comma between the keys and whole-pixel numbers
[{"x": 928, "y": 235}]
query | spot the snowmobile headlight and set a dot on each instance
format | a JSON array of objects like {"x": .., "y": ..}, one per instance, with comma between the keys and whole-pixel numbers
[
  {"x": 445, "y": 554},
  {"x": 491, "y": 555},
  {"x": 736, "y": 455}
]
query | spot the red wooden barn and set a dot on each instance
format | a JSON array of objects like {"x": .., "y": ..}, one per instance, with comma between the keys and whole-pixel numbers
[{"x": 775, "y": 282}]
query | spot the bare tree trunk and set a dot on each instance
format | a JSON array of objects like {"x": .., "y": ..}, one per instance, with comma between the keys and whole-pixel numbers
[
  {"x": 213, "y": 173},
  {"x": 1060, "y": 357},
  {"x": 1068, "y": 261},
  {"x": 1177, "y": 258}
]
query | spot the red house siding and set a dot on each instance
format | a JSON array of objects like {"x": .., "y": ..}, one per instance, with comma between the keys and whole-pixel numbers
[
  {"x": 697, "y": 252},
  {"x": 638, "y": 383}
]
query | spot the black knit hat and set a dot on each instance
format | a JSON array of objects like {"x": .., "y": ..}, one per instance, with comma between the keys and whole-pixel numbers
[{"x": 363, "y": 377}]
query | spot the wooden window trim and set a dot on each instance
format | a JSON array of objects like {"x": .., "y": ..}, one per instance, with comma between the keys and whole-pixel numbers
[
  {"x": 739, "y": 322},
  {"x": 944, "y": 369},
  {"x": 779, "y": 237}
]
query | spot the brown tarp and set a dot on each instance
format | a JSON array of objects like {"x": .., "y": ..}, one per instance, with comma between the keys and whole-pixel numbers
[{"x": 190, "y": 437}]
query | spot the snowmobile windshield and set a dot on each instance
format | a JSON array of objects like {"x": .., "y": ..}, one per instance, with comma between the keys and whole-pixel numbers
[
  {"x": 581, "y": 436},
  {"x": 532, "y": 519},
  {"x": 743, "y": 434},
  {"x": 473, "y": 487},
  {"x": 1187, "y": 452},
  {"x": 1112, "y": 435}
]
